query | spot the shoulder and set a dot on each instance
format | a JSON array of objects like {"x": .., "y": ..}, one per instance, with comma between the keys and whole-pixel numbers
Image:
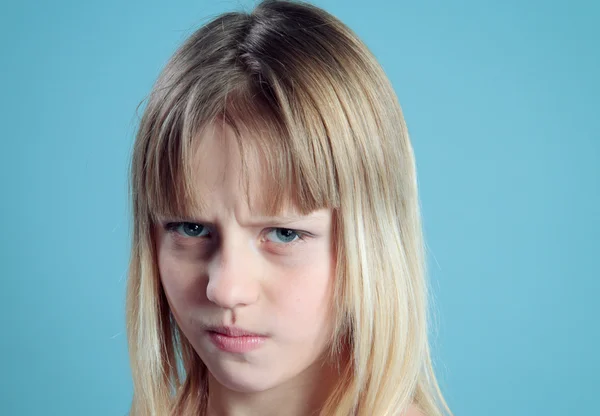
[{"x": 413, "y": 410}]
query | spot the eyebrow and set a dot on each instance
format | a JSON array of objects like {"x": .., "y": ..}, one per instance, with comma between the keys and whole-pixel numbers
[
  {"x": 281, "y": 220},
  {"x": 256, "y": 221}
]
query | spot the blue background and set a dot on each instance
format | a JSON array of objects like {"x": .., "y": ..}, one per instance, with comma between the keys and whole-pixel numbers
[{"x": 501, "y": 100}]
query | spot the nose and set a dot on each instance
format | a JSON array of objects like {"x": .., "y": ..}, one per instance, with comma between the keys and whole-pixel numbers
[{"x": 233, "y": 275}]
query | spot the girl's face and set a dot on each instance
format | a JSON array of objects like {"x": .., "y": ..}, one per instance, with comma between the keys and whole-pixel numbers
[{"x": 252, "y": 294}]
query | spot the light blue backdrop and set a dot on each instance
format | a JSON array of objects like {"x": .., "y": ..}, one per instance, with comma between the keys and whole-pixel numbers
[{"x": 501, "y": 99}]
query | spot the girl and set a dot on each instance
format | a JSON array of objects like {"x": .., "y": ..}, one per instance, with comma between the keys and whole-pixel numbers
[{"x": 277, "y": 261}]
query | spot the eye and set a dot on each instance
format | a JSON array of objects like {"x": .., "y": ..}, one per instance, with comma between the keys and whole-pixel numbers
[
  {"x": 187, "y": 229},
  {"x": 284, "y": 235}
]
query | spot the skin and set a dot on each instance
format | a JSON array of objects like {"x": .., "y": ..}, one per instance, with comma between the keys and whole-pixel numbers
[{"x": 238, "y": 268}]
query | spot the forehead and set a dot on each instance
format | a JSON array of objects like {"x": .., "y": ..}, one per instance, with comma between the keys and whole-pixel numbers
[
  {"x": 216, "y": 159},
  {"x": 228, "y": 166}
]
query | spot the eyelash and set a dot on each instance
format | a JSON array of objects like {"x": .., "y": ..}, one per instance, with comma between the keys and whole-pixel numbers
[{"x": 173, "y": 226}]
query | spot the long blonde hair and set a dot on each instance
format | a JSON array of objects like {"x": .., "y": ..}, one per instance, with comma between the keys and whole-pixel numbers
[{"x": 330, "y": 133}]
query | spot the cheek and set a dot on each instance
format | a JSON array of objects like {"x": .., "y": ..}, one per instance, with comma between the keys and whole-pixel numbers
[
  {"x": 304, "y": 297},
  {"x": 181, "y": 279}
]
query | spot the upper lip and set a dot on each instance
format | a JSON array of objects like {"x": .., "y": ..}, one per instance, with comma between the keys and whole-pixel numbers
[{"x": 233, "y": 331}]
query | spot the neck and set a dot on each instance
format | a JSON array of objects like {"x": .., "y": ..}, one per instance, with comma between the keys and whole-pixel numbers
[{"x": 303, "y": 395}]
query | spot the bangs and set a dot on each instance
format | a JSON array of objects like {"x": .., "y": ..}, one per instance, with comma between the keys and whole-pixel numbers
[{"x": 290, "y": 155}]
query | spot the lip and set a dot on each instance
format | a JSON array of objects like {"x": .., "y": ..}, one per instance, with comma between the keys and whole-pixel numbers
[
  {"x": 232, "y": 331},
  {"x": 235, "y": 340}
]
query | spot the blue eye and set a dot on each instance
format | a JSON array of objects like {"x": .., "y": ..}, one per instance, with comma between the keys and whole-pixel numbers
[
  {"x": 188, "y": 229},
  {"x": 283, "y": 235}
]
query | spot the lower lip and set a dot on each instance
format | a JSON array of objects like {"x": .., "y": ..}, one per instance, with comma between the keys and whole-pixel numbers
[{"x": 241, "y": 344}]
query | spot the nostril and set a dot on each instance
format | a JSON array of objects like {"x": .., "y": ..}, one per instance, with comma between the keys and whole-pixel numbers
[{"x": 229, "y": 290}]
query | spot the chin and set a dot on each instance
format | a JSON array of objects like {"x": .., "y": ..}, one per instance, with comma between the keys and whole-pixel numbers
[{"x": 243, "y": 380}]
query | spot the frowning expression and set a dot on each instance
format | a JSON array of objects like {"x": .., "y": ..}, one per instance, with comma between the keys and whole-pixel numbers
[{"x": 252, "y": 294}]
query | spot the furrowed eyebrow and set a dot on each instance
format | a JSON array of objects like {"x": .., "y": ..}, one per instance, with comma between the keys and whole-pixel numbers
[
  {"x": 275, "y": 221},
  {"x": 255, "y": 222},
  {"x": 287, "y": 220}
]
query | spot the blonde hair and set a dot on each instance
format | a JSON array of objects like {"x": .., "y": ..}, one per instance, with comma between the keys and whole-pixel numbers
[{"x": 329, "y": 130}]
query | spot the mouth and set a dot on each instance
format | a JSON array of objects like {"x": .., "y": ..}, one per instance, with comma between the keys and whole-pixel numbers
[
  {"x": 232, "y": 331},
  {"x": 235, "y": 340}
]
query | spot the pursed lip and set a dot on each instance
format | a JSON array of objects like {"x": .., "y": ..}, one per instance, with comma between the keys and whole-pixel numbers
[{"x": 232, "y": 331}]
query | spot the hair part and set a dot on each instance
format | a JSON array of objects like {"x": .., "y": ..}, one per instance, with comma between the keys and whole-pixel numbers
[{"x": 312, "y": 107}]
